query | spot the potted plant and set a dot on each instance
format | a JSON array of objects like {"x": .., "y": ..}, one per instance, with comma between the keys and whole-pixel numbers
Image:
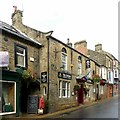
[
  {"x": 96, "y": 78},
  {"x": 76, "y": 88}
]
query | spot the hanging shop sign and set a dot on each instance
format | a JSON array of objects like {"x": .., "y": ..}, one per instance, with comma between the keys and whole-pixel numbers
[
  {"x": 87, "y": 64},
  {"x": 44, "y": 77},
  {"x": 4, "y": 59},
  {"x": 64, "y": 75}
]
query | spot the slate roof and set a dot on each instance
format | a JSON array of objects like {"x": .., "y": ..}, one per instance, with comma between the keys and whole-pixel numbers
[{"x": 10, "y": 29}]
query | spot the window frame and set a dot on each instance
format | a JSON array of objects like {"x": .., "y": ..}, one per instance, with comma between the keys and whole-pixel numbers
[
  {"x": 64, "y": 55},
  {"x": 66, "y": 89},
  {"x": 24, "y": 55},
  {"x": 14, "y": 97},
  {"x": 44, "y": 90},
  {"x": 79, "y": 65}
]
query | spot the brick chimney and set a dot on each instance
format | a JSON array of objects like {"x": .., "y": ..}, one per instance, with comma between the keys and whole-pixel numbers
[
  {"x": 98, "y": 47},
  {"x": 17, "y": 17},
  {"x": 81, "y": 46}
]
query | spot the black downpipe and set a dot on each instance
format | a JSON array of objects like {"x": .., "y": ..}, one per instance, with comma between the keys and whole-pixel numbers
[{"x": 48, "y": 68}]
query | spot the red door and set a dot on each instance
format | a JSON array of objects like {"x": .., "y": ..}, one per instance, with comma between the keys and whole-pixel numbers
[{"x": 81, "y": 95}]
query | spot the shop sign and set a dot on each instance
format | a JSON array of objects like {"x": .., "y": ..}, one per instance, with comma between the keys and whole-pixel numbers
[
  {"x": 64, "y": 75},
  {"x": 87, "y": 64},
  {"x": 44, "y": 77},
  {"x": 4, "y": 59}
]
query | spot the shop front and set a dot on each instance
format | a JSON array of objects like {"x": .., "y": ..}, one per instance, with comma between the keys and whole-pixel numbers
[{"x": 9, "y": 93}]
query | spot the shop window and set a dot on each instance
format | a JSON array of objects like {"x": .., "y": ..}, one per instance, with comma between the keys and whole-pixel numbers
[
  {"x": 20, "y": 56},
  {"x": 8, "y": 97},
  {"x": 64, "y": 59},
  {"x": 64, "y": 89}
]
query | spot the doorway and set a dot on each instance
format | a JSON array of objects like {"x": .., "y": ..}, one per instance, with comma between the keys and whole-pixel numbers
[{"x": 81, "y": 94}]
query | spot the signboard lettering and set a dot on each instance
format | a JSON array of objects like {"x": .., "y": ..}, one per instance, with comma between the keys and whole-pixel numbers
[{"x": 64, "y": 75}]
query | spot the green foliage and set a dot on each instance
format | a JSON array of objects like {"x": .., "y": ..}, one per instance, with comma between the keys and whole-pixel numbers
[
  {"x": 27, "y": 74},
  {"x": 76, "y": 87},
  {"x": 46, "y": 110},
  {"x": 96, "y": 78}
]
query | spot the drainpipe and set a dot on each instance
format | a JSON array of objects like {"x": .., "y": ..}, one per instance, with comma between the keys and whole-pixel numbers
[{"x": 48, "y": 68}]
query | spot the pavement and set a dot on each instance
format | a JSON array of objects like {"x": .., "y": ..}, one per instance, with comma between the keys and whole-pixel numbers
[{"x": 55, "y": 114}]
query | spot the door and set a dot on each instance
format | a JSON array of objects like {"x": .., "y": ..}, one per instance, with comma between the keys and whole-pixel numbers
[{"x": 81, "y": 95}]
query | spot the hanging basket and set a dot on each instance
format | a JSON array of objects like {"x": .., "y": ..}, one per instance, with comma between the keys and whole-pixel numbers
[{"x": 76, "y": 87}]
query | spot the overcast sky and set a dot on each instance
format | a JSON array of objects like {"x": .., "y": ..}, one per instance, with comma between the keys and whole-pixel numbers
[{"x": 95, "y": 21}]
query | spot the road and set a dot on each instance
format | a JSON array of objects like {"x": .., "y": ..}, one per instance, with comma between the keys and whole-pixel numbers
[{"x": 105, "y": 109}]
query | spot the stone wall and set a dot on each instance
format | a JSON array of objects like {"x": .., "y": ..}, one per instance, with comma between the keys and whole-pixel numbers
[{"x": 32, "y": 51}]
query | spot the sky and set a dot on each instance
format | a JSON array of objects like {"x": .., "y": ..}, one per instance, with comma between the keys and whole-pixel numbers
[{"x": 95, "y": 21}]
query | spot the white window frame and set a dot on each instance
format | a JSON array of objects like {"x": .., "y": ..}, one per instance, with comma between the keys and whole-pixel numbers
[
  {"x": 66, "y": 89},
  {"x": 109, "y": 76},
  {"x": 60, "y": 89},
  {"x": 44, "y": 90},
  {"x": 23, "y": 55},
  {"x": 64, "y": 62},
  {"x": 79, "y": 67}
]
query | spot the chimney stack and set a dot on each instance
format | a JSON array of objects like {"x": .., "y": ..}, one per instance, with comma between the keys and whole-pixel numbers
[
  {"x": 17, "y": 17},
  {"x": 68, "y": 42},
  {"x": 81, "y": 46},
  {"x": 98, "y": 48}
]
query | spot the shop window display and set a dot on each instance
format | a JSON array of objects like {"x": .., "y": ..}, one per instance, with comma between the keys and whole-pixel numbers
[{"x": 8, "y": 97}]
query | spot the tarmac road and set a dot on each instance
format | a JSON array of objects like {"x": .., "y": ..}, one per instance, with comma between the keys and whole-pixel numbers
[{"x": 106, "y": 109}]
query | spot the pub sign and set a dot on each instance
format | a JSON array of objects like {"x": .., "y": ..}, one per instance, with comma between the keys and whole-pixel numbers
[
  {"x": 44, "y": 77},
  {"x": 87, "y": 64},
  {"x": 64, "y": 75}
]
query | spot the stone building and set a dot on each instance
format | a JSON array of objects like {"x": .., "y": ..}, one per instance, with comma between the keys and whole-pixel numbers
[
  {"x": 109, "y": 67},
  {"x": 57, "y": 66},
  {"x": 61, "y": 67},
  {"x": 17, "y": 51}
]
